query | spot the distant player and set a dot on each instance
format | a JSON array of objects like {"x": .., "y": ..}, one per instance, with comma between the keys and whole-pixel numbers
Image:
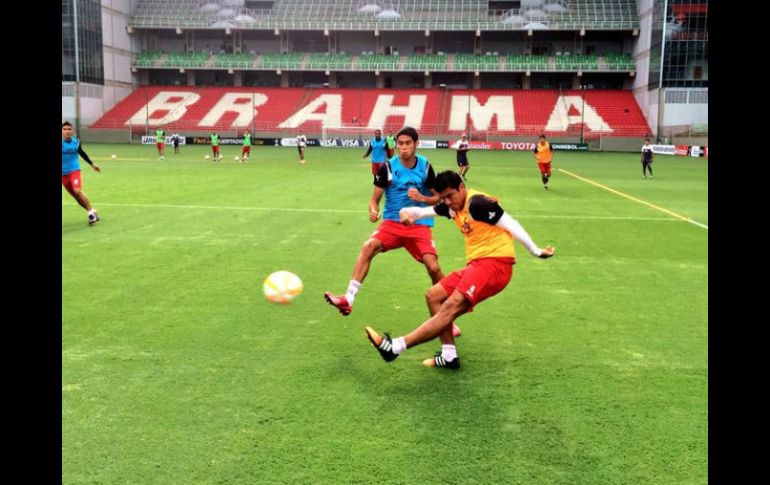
[
  {"x": 403, "y": 180},
  {"x": 378, "y": 150},
  {"x": 301, "y": 144},
  {"x": 246, "y": 150},
  {"x": 70, "y": 170},
  {"x": 462, "y": 146},
  {"x": 544, "y": 155},
  {"x": 646, "y": 158},
  {"x": 175, "y": 141},
  {"x": 489, "y": 234},
  {"x": 216, "y": 156},
  {"x": 390, "y": 140},
  {"x": 160, "y": 143}
]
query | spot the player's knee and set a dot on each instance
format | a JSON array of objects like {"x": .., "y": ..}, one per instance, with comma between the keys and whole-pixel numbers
[
  {"x": 434, "y": 296},
  {"x": 371, "y": 247},
  {"x": 454, "y": 305}
]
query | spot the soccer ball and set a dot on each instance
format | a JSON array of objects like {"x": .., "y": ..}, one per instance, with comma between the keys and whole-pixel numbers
[
  {"x": 237, "y": 159},
  {"x": 206, "y": 157},
  {"x": 282, "y": 287},
  {"x": 114, "y": 156}
]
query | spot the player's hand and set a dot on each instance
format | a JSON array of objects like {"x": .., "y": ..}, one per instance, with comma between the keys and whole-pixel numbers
[
  {"x": 374, "y": 215},
  {"x": 547, "y": 252},
  {"x": 405, "y": 218},
  {"x": 415, "y": 195},
  {"x": 96, "y": 167}
]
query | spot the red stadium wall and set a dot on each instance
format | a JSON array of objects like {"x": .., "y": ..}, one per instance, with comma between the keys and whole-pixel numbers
[{"x": 431, "y": 111}]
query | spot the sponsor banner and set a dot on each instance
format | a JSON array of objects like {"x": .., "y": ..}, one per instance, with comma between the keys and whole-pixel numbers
[
  {"x": 428, "y": 144},
  {"x": 663, "y": 149},
  {"x": 681, "y": 150},
  {"x": 527, "y": 146},
  {"x": 697, "y": 151},
  {"x": 292, "y": 142},
  {"x": 341, "y": 142},
  {"x": 706, "y": 152},
  {"x": 150, "y": 140},
  {"x": 513, "y": 145},
  {"x": 569, "y": 147},
  {"x": 206, "y": 140}
]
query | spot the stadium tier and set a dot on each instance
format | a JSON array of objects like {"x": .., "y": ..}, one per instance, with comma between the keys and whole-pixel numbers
[
  {"x": 297, "y": 61},
  {"x": 432, "y": 111},
  {"x": 448, "y": 15}
]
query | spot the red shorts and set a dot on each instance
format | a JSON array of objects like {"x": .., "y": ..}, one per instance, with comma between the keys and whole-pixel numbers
[
  {"x": 160, "y": 145},
  {"x": 481, "y": 279},
  {"x": 417, "y": 239},
  {"x": 376, "y": 167},
  {"x": 246, "y": 149},
  {"x": 72, "y": 181},
  {"x": 545, "y": 168},
  {"x": 215, "y": 148}
]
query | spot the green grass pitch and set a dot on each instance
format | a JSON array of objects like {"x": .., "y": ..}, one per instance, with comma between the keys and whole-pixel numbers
[{"x": 590, "y": 368}]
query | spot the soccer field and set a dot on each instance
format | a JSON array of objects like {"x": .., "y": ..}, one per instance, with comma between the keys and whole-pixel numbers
[{"x": 589, "y": 368}]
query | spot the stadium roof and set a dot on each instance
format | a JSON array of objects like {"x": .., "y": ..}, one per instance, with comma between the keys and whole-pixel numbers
[{"x": 416, "y": 15}]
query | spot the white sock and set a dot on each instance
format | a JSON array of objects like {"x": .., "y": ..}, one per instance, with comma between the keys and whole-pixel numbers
[
  {"x": 449, "y": 352},
  {"x": 92, "y": 212},
  {"x": 353, "y": 288},
  {"x": 399, "y": 345}
]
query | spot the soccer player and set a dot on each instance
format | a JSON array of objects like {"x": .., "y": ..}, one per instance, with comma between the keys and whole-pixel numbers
[
  {"x": 462, "y": 146},
  {"x": 391, "y": 142},
  {"x": 395, "y": 179},
  {"x": 489, "y": 233},
  {"x": 646, "y": 158},
  {"x": 160, "y": 143},
  {"x": 246, "y": 150},
  {"x": 216, "y": 156},
  {"x": 175, "y": 141},
  {"x": 544, "y": 155},
  {"x": 378, "y": 149},
  {"x": 301, "y": 144},
  {"x": 70, "y": 170}
]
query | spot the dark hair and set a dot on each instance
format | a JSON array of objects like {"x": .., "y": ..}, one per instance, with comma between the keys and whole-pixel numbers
[
  {"x": 447, "y": 179},
  {"x": 66, "y": 123},
  {"x": 410, "y": 132},
  {"x": 646, "y": 139},
  {"x": 542, "y": 136}
]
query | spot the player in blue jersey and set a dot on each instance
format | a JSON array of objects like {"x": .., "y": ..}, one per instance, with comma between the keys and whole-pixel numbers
[
  {"x": 378, "y": 147},
  {"x": 70, "y": 169},
  {"x": 404, "y": 179}
]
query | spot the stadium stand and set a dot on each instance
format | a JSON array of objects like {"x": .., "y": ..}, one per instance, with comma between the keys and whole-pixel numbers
[{"x": 533, "y": 109}]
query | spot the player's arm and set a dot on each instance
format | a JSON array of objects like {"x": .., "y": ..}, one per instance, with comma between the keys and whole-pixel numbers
[
  {"x": 374, "y": 204},
  {"x": 381, "y": 182},
  {"x": 484, "y": 209},
  {"x": 417, "y": 196},
  {"x": 368, "y": 151},
  {"x": 85, "y": 156},
  {"x": 430, "y": 182},
  {"x": 408, "y": 215}
]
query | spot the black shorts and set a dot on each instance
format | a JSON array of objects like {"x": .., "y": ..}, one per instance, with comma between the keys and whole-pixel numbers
[
  {"x": 299, "y": 149},
  {"x": 462, "y": 160}
]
